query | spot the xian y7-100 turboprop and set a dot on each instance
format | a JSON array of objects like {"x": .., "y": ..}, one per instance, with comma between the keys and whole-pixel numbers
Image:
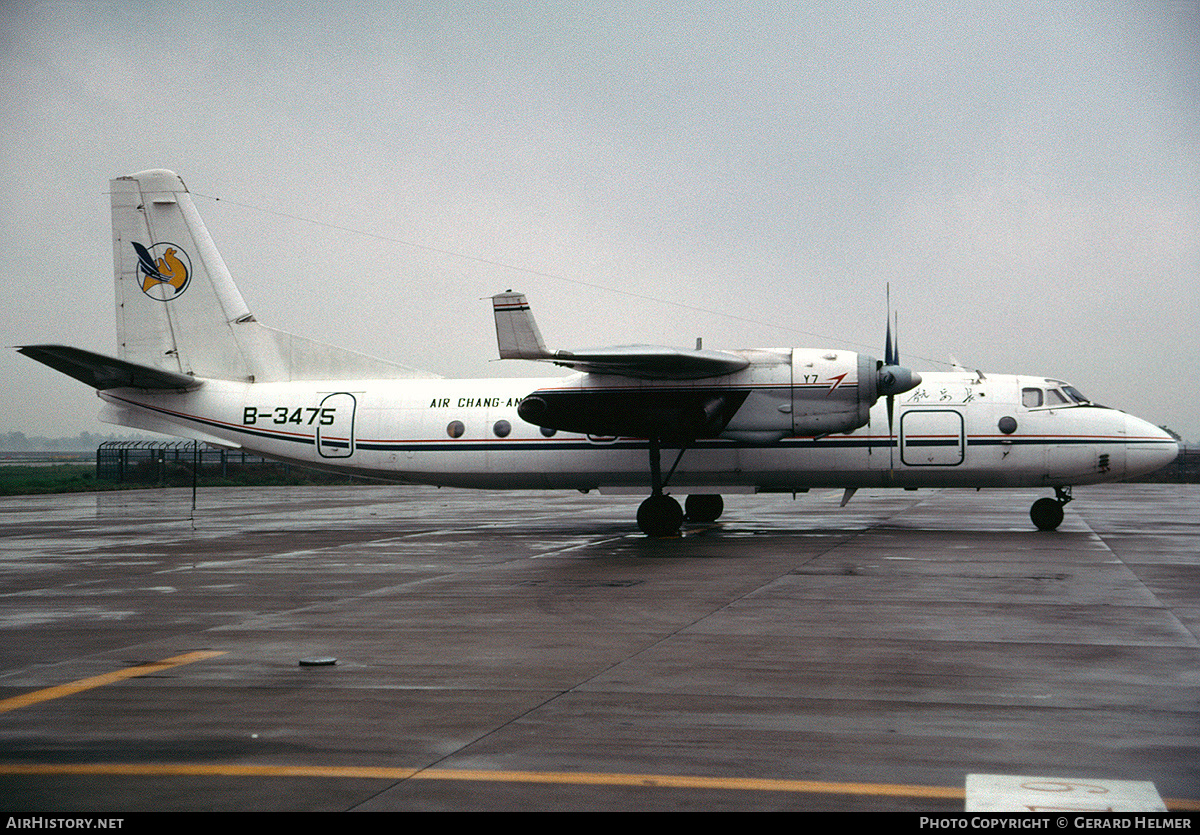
[{"x": 195, "y": 363}]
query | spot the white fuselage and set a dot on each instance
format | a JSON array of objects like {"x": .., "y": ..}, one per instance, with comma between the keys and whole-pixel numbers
[{"x": 466, "y": 433}]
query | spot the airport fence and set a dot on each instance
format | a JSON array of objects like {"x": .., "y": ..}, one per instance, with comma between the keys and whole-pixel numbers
[{"x": 161, "y": 462}]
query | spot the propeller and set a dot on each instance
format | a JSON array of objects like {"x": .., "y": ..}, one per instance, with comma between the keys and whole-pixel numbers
[{"x": 893, "y": 378}]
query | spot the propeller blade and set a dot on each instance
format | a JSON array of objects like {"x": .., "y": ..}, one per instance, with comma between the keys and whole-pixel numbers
[
  {"x": 893, "y": 377},
  {"x": 896, "y": 338},
  {"x": 889, "y": 357}
]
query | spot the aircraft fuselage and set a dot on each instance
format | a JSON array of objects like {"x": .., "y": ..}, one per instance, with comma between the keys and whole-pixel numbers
[{"x": 950, "y": 431}]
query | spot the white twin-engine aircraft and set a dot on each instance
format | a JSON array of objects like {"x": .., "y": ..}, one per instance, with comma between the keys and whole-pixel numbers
[{"x": 195, "y": 363}]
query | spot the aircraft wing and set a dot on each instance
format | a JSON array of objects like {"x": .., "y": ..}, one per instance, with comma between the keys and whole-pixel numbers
[
  {"x": 518, "y": 337},
  {"x": 101, "y": 372},
  {"x": 651, "y": 362}
]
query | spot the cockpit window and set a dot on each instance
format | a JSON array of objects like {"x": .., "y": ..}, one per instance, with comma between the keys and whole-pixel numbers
[
  {"x": 1075, "y": 394},
  {"x": 1057, "y": 394}
]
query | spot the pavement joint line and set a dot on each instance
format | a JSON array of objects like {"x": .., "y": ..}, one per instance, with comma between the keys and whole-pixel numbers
[{"x": 58, "y": 691}]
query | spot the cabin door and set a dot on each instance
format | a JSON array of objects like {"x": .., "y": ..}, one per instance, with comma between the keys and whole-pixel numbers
[
  {"x": 932, "y": 438},
  {"x": 335, "y": 428}
]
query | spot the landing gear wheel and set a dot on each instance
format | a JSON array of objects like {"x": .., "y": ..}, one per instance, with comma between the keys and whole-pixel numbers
[
  {"x": 703, "y": 507},
  {"x": 1047, "y": 514},
  {"x": 660, "y": 515}
]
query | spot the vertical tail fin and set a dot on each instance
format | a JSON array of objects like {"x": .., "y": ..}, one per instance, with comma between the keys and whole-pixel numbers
[
  {"x": 176, "y": 302},
  {"x": 517, "y": 334},
  {"x": 177, "y": 306}
]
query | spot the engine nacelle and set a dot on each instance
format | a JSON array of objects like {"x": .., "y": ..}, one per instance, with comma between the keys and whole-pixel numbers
[
  {"x": 832, "y": 391},
  {"x": 807, "y": 393}
]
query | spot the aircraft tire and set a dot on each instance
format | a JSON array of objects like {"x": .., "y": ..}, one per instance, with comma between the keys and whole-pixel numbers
[
  {"x": 703, "y": 507},
  {"x": 660, "y": 516},
  {"x": 1047, "y": 514}
]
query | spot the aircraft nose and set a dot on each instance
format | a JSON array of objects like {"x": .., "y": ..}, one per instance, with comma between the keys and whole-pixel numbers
[{"x": 1147, "y": 448}]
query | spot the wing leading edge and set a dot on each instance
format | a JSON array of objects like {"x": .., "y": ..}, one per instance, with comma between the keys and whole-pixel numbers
[{"x": 518, "y": 337}]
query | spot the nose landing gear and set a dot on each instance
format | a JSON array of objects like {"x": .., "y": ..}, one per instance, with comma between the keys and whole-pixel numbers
[{"x": 1047, "y": 514}]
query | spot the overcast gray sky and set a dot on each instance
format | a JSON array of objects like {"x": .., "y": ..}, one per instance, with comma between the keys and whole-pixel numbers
[{"x": 1023, "y": 174}]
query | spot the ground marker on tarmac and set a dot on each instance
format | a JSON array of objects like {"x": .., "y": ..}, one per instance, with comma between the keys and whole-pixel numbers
[{"x": 1011, "y": 793}]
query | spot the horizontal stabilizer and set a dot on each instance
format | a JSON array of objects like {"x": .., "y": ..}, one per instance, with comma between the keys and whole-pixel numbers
[{"x": 101, "y": 372}]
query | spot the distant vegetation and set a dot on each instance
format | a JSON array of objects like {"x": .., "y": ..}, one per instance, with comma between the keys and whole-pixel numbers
[{"x": 54, "y": 478}]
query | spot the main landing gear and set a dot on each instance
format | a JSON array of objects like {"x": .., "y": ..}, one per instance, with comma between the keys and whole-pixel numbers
[
  {"x": 660, "y": 515},
  {"x": 703, "y": 507},
  {"x": 1047, "y": 514}
]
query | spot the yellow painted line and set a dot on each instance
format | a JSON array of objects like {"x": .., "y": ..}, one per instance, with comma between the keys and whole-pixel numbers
[
  {"x": 206, "y": 770},
  {"x": 676, "y": 781},
  {"x": 669, "y": 781},
  {"x": 107, "y": 678}
]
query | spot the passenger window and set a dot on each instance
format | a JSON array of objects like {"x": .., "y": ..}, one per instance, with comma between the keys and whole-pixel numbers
[{"x": 1031, "y": 398}]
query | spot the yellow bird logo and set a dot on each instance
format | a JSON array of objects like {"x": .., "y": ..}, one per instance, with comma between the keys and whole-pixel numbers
[{"x": 168, "y": 275}]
